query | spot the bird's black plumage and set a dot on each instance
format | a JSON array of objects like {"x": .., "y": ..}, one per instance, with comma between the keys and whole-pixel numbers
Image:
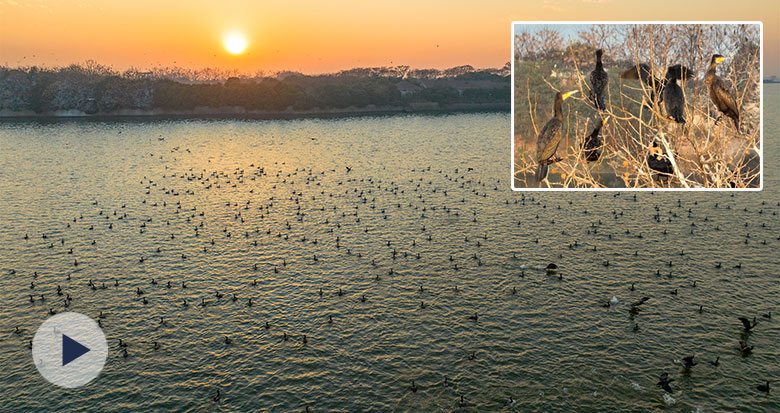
[
  {"x": 673, "y": 96},
  {"x": 644, "y": 73},
  {"x": 657, "y": 161},
  {"x": 592, "y": 146},
  {"x": 746, "y": 323},
  {"x": 598, "y": 82},
  {"x": 663, "y": 382},
  {"x": 678, "y": 72},
  {"x": 688, "y": 361}
]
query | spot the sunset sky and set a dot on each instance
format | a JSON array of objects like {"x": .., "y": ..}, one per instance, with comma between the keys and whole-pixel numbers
[{"x": 319, "y": 36}]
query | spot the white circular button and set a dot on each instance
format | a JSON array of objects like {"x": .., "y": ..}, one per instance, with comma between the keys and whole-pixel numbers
[{"x": 69, "y": 349}]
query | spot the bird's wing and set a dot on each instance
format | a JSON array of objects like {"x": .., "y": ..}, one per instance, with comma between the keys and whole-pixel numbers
[
  {"x": 636, "y": 72},
  {"x": 724, "y": 95},
  {"x": 745, "y": 322},
  {"x": 548, "y": 139}
]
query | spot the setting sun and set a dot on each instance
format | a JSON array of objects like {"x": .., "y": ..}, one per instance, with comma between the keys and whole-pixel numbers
[{"x": 235, "y": 43}]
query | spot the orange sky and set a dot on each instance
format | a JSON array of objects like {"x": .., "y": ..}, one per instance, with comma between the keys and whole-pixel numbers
[{"x": 320, "y": 36}]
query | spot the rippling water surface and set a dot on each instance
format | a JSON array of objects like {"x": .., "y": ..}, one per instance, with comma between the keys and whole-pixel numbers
[{"x": 273, "y": 195}]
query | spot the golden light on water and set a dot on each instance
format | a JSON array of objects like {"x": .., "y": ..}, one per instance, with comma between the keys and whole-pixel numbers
[{"x": 235, "y": 42}]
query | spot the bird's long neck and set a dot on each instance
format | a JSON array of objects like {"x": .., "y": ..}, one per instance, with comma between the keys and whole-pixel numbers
[
  {"x": 712, "y": 69},
  {"x": 599, "y": 65},
  {"x": 558, "y": 111}
]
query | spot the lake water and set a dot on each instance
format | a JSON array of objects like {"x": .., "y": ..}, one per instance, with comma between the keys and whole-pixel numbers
[{"x": 268, "y": 189}]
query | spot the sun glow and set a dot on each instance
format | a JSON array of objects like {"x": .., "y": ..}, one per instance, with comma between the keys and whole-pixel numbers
[{"x": 235, "y": 42}]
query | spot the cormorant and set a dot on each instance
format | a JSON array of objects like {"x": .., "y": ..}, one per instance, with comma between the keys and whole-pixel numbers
[
  {"x": 720, "y": 94},
  {"x": 763, "y": 388},
  {"x": 642, "y": 72},
  {"x": 688, "y": 362},
  {"x": 657, "y": 160},
  {"x": 746, "y": 323},
  {"x": 550, "y": 136},
  {"x": 598, "y": 82},
  {"x": 664, "y": 381},
  {"x": 593, "y": 144},
  {"x": 673, "y": 96},
  {"x": 678, "y": 72}
]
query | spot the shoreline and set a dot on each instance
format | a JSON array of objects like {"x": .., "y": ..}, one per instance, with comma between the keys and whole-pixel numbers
[{"x": 241, "y": 113}]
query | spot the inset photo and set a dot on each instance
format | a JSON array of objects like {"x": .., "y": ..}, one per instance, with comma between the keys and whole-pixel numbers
[{"x": 636, "y": 105}]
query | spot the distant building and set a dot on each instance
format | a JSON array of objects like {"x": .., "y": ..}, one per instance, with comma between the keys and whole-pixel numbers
[
  {"x": 462, "y": 85},
  {"x": 407, "y": 88}
]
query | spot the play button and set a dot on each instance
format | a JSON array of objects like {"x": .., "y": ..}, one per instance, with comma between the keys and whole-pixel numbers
[{"x": 69, "y": 349}]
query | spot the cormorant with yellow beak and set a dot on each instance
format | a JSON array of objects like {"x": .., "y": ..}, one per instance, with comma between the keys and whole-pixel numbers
[
  {"x": 550, "y": 137},
  {"x": 720, "y": 94}
]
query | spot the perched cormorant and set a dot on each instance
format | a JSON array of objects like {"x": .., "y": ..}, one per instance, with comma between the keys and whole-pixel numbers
[
  {"x": 673, "y": 96},
  {"x": 678, "y": 72},
  {"x": 642, "y": 72},
  {"x": 598, "y": 82},
  {"x": 657, "y": 160},
  {"x": 593, "y": 144},
  {"x": 720, "y": 94},
  {"x": 550, "y": 136}
]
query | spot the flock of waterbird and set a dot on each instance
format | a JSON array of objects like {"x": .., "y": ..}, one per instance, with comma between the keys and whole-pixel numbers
[
  {"x": 664, "y": 91},
  {"x": 326, "y": 219}
]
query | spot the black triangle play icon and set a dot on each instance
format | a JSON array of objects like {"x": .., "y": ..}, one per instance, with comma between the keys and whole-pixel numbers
[{"x": 71, "y": 350}]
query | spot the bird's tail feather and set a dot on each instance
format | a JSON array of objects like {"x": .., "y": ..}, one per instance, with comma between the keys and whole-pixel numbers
[
  {"x": 598, "y": 101},
  {"x": 541, "y": 172}
]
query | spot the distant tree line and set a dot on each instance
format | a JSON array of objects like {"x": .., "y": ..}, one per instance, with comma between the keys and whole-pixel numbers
[{"x": 93, "y": 88}]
